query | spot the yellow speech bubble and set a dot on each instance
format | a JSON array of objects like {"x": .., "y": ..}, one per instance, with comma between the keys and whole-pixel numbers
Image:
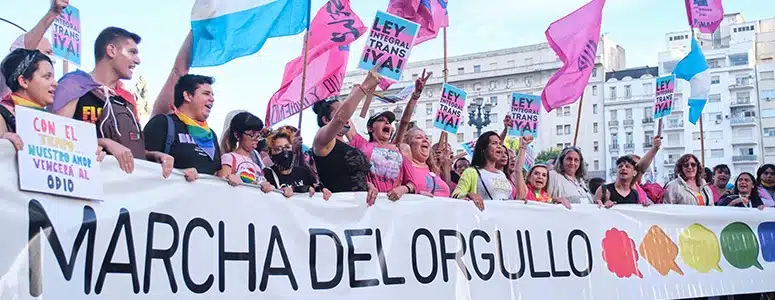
[
  {"x": 660, "y": 251},
  {"x": 700, "y": 248}
]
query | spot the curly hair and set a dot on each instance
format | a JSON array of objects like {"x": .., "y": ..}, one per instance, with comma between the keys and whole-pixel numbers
[
  {"x": 700, "y": 169},
  {"x": 431, "y": 161},
  {"x": 282, "y": 133},
  {"x": 558, "y": 163}
]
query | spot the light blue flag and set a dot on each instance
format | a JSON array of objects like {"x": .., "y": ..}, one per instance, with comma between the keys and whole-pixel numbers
[
  {"x": 227, "y": 29},
  {"x": 694, "y": 63}
]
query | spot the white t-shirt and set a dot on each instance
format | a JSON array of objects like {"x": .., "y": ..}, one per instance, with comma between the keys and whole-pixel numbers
[
  {"x": 575, "y": 190},
  {"x": 496, "y": 183}
]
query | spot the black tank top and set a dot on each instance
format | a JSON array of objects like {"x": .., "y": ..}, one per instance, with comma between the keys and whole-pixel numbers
[
  {"x": 344, "y": 169},
  {"x": 631, "y": 198}
]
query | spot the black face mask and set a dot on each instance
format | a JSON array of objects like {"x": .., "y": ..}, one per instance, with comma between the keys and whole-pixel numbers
[{"x": 283, "y": 160}]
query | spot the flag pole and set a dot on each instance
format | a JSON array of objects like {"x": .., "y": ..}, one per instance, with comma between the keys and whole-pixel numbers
[
  {"x": 444, "y": 138},
  {"x": 702, "y": 144},
  {"x": 578, "y": 120},
  {"x": 303, "y": 77}
]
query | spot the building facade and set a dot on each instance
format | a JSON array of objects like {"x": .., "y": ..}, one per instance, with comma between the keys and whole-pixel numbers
[
  {"x": 765, "y": 71},
  {"x": 490, "y": 78}
]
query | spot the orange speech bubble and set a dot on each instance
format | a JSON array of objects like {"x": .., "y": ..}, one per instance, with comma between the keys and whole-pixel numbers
[{"x": 660, "y": 251}]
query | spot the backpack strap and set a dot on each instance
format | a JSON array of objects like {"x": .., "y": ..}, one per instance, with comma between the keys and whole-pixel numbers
[
  {"x": 605, "y": 193},
  {"x": 10, "y": 119},
  {"x": 170, "y": 134},
  {"x": 483, "y": 184},
  {"x": 276, "y": 180}
]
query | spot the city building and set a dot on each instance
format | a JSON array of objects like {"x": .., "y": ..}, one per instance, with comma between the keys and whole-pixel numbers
[
  {"x": 732, "y": 127},
  {"x": 490, "y": 78},
  {"x": 765, "y": 70},
  {"x": 629, "y": 117}
]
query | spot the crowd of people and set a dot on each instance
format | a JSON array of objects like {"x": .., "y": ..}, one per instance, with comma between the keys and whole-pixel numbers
[{"x": 392, "y": 161}]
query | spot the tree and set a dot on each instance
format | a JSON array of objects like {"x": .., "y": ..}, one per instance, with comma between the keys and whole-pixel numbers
[{"x": 547, "y": 154}]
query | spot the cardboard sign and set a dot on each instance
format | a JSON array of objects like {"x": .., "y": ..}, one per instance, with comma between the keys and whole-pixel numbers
[
  {"x": 663, "y": 104},
  {"x": 525, "y": 114},
  {"x": 59, "y": 155},
  {"x": 448, "y": 117},
  {"x": 390, "y": 41},
  {"x": 66, "y": 35},
  {"x": 469, "y": 147},
  {"x": 401, "y": 96}
]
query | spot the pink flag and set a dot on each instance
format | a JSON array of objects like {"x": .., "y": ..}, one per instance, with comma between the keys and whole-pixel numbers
[
  {"x": 430, "y": 14},
  {"x": 574, "y": 38},
  {"x": 332, "y": 30},
  {"x": 704, "y": 14}
]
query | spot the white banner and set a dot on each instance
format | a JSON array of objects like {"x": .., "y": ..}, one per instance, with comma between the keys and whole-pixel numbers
[{"x": 161, "y": 239}]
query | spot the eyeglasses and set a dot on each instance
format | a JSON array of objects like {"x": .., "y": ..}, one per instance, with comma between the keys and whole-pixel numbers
[
  {"x": 253, "y": 136},
  {"x": 288, "y": 147},
  {"x": 689, "y": 165}
]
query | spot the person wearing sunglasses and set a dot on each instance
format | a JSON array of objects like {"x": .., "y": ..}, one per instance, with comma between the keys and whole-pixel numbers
[
  {"x": 240, "y": 164},
  {"x": 688, "y": 188}
]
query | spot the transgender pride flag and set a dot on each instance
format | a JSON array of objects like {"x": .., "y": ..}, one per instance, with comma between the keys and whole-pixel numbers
[{"x": 227, "y": 29}]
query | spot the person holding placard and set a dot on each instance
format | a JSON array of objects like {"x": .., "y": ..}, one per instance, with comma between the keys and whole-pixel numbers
[
  {"x": 30, "y": 75},
  {"x": 342, "y": 167},
  {"x": 483, "y": 181},
  {"x": 567, "y": 178},
  {"x": 536, "y": 186}
]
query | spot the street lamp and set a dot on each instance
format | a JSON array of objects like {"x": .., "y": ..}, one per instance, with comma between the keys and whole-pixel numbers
[{"x": 475, "y": 117}]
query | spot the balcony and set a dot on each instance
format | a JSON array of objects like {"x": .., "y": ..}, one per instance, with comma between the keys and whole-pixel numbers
[
  {"x": 742, "y": 102},
  {"x": 670, "y": 162},
  {"x": 629, "y": 146},
  {"x": 675, "y": 125},
  {"x": 629, "y": 122},
  {"x": 741, "y": 85},
  {"x": 613, "y": 123},
  {"x": 647, "y": 121},
  {"x": 613, "y": 148},
  {"x": 745, "y": 159},
  {"x": 742, "y": 121},
  {"x": 648, "y": 145}
]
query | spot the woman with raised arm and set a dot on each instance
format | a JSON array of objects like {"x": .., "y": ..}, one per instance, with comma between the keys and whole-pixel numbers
[
  {"x": 406, "y": 117},
  {"x": 622, "y": 190},
  {"x": 341, "y": 167},
  {"x": 536, "y": 186},
  {"x": 483, "y": 181},
  {"x": 423, "y": 172}
]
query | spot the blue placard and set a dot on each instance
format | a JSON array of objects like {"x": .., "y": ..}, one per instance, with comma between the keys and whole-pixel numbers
[{"x": 389, "y": 43}]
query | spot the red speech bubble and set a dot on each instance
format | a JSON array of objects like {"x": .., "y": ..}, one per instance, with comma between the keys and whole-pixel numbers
[{"x": 620, "y": 254}]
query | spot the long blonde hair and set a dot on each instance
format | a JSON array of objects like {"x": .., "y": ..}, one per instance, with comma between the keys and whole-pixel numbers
[{"x": 431, "y": 161}]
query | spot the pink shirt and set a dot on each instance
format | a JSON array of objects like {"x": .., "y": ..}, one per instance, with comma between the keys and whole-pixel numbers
[
  {"x": 426, "y": 181},
  {"x": 248, "y": 171},
  {"x": 388, "y": 166}
]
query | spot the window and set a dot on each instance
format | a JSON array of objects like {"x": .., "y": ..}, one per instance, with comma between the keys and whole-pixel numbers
[
  {"x": 477, "y": 68},
  {"x": 746, "y": 151},
  {"x": 559, "y": 111},
  {"x": 559, "y": 129},
  {"x": 614, "y": 139},
  {"x": 648, "y": 88},
  {"x": 460, "y": 138},
  {"x": 716, "y": 153},
  {"x": 597, "y": 164},
  {"x": 428, "y": 109},
  {"x": 674, "y": 139},
  {"x": 769, "y": 131},
  {"x": 478, "y": 86},
  {"x": 715, "y": 63},
  {"x": 493, "y": 66},
  {"x": 614, "y": 115},
  {"x": 493, "y": 85},
  {"x": 743, "y": 80},
  {"x": 461, "y": 71},
  {"x": 494, "y": 116},
  {"x": 709, "y": 135},
  {"x": 715, "y": 79},
  {"x": 596, "y": 146},
  {"x": 428, "y": 124},
  {"x": 628, "y": 113},
  {"x": 494, "y": 100},
  {"x": 529, "y": 81},
  {"x": 648, "y": 136},
  {"x": 594, "y": 127},
  {"x": 594, "y": 72},
  {"x": 767, "y": 94},
  {"x": 567, "y": 145},
  {"x": 612, "y": 93},
  {"x": 713, "y": 98},
  {"x": 767, "y": 75},
  {"x": 566, "y": 111},
  {"x": 627, "y": 91},
  {"x": 648, "y": 112},
  {"x": 528, "y": 61},
  {"x": 414, "y": 77},
  {"x": 769, "y": 150},
  {"x": 594, "y": 90},
  {"x": 567, "y": 129},
  {"x": 668, "y": 66},
  {"x": 510, "y": 83},
  {"x": 768, "y": 113},
  {"x": 740, "y": 59},
  {"x": 510, "y": 64},
  {"x": 743, "y": 97},
  {"x": 628, "y": 138},
  {"x": 559, "y": 145},
  {"x": 594, "y": 108}
]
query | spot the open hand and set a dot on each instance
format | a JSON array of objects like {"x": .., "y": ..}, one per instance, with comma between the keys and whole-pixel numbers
[
  {"x": 124, "y": 156},
  {"x": 478, "y": 201},
  {"x": 57, "y": 6}
]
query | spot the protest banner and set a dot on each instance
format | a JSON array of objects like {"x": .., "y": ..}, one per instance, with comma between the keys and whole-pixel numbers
[
  {"x": 66, "y": 35},
  {"x": 663, "y": 104},
  {"x": 469, "y": 147},
  {"x": 525, "y": 114},
  {"x": 59, "y": 155},
  {"x": 529, "y": 158},
  {"x": 174, "y": 239},
  {"x": 390, "y": 41},
  {"x": 450, "y": 112}
]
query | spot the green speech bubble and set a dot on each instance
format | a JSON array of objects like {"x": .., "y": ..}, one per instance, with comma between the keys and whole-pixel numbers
[{"x": 740, "y": 246}]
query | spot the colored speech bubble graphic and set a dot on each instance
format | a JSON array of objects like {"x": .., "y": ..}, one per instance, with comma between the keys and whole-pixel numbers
[
  {"x": 740, "y": 246},
  {"x": 700, "y": 248},
  {"x": 767, "y": 240},
  {"x": 660, "y": 251},
  {"x": 619, "y": 253}
]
